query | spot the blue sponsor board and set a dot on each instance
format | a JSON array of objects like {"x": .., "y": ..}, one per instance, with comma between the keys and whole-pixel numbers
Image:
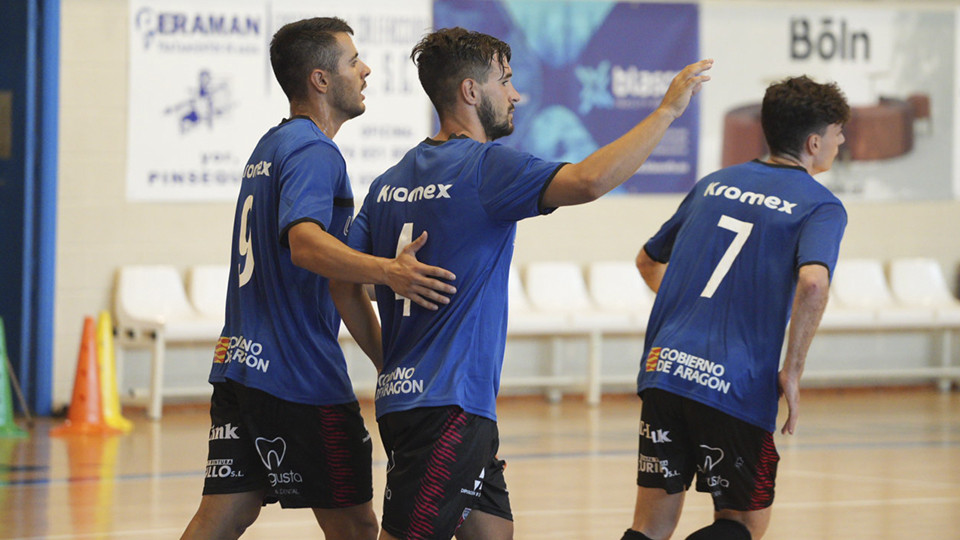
[{"x": 590, "y": 71}]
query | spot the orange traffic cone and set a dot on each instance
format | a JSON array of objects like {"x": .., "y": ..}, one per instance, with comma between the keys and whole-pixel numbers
[{"x": 86, "y": 413}]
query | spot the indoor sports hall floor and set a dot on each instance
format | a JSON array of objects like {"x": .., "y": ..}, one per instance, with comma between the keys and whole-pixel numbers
[{"x": 865, "y": 464}]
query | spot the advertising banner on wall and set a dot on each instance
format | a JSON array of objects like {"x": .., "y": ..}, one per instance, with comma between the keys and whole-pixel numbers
[
  {"x": 588, "y": 72},
  {"x": 202, "y": 91},
  {"x": 896, "y": 66},
  {"x": 196, "y": 89}
]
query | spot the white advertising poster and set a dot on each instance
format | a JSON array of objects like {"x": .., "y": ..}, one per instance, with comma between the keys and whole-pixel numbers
[
  {"x": 896, "y": 66},
  {"x": 197, "y": 88},
  {"x": 202, "y": 91}
]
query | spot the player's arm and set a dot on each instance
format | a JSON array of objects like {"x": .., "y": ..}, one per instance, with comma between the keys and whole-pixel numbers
[
  {"x": 650, "y": 270},
  {"x": 315, "y": 250},
  {"x": 813, "y": 290},
  {"x": 356, "y": 310},
  {"x": 613, "y": 164}
]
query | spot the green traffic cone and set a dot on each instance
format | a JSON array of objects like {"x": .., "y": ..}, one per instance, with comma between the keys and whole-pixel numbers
[{"x": 7, "y": 426}]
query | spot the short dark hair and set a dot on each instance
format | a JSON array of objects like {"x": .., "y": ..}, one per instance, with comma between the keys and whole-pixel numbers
[
  {"x": 796, "y": 107},
  {"x": 448, "y": 56},
  {"x": 303, "y": 46}
]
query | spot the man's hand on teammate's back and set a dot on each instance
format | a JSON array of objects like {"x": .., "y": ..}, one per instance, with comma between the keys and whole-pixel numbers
[{"x": 419, "y": 282}]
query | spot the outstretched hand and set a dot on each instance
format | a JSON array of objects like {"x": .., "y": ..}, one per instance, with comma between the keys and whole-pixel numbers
[
  {"x": 684, "y": 86},
  {"x": 789, "y": 388},
  {"x": 419, "y": 282}
]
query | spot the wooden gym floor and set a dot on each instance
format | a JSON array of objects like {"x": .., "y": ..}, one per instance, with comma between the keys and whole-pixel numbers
[{"x": 865, "y": 464}]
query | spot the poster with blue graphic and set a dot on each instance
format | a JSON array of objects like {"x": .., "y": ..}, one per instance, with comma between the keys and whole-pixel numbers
[
  {"x": 196, "y": 82},
  {"x": 587, "y": 72},
  {"x": 202, "y": 91}
]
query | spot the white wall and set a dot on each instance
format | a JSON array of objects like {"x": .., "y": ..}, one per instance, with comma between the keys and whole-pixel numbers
[{"x": 99, "y": 231}]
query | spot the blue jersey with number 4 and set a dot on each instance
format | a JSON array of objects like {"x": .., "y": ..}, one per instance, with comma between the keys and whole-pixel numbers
[
  {"x": 281, "y": 328},
  {"x": 734, "y": 247},
  {"x": 468, "y": 196}
]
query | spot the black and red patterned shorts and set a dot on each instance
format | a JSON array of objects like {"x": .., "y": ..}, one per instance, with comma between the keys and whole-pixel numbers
[
  {"x": 304, "y": 456},
  {"x": 734, "y": 461},
  {"x": 441, "y": 465}
]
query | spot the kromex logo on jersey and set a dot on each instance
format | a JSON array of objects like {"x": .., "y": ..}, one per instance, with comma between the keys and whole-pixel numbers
[
  {"x": 389, "y": 193},
  {"x": 257, "y": 169},
  {"x": 715, "y": 189}
]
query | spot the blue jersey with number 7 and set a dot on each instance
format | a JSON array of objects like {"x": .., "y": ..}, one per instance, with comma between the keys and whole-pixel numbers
[
  {"x": 734, "y": 247},
  {"x": 468, "y": 196}
]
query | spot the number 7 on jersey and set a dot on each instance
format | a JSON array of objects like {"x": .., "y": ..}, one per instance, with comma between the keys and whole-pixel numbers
[{"x": 742, "y": 228}]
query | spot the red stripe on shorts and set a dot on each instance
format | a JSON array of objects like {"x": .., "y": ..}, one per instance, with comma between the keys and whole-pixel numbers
[
  {"x": 426, "y": 506},
  {"x": 337, "y": 456},
  {"x": 766, "y": 473}
]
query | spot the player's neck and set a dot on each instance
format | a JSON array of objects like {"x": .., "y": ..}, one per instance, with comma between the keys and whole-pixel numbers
[
  {"x": 789, "y": 161},
  {"x": 460, "y": 124},
  {"x": 328, "y": 123}
]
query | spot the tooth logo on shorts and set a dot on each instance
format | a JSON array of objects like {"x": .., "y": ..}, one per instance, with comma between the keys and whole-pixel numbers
[
  {"x": 271, "y": 451},
  {"x": 712, "y": 457}
]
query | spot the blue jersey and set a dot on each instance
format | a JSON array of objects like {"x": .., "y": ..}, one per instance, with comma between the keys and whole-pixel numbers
[
  {"x": 280, "y": 334},
  {"x": 468, "y": 196},
  {"x": 734, "y": 247}
]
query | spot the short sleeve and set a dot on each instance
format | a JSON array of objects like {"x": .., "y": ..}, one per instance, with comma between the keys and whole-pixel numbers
[
  {"x": 820, "y": 236},
  {"x": 309, "y": 182},
  {"x": 358, "y": 237},
  {"x": 512, "y": 183},
  {"x": 660, "y": 246}
]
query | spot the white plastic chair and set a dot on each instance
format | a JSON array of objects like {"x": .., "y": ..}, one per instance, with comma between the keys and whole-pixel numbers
[
  {"x": 616, "y": 286},
  {"x": 919, "y": 282},
  {"x": 559, "y": 287},
  {"x": 207, "y": 289},
  {"x": 151, "y": 308},
  {"x": 522, "y": 318},
  {"x": 861, "y": 284}
]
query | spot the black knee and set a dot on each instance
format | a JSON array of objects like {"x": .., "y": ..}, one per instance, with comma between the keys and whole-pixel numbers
[
  {"x": 723, "y": 529},
  {"x": 634, "y": 535}
]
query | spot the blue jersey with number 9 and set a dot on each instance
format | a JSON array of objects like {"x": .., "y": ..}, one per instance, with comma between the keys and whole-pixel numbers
[
  {"x": 468, "y": 196},
  {"x": 281, "y": 328}
]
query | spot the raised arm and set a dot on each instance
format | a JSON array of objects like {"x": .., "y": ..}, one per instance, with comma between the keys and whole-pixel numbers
[
  {"x": 613, "y": 164},
  {"x": 813, "y": 289},
  {"x": 314, "y": 249}
]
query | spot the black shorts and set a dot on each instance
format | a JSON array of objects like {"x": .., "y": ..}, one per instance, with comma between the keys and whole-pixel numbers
[
  {"x": 441, "y": 463},
  {"x": 736, "y": 462},
  {"x": 304, "y": 456}
]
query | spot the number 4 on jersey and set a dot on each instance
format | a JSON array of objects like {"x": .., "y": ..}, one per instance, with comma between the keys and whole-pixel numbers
[
  {"x": 742, "y": 228},
  {"x": 405, "y": 239}
]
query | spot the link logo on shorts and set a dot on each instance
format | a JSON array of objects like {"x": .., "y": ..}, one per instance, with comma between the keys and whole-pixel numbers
[{"x": 271, "y": 453}]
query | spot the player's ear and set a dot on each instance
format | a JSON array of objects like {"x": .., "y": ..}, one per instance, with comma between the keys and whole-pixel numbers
[
  {"x": 469, "y": 91},
  {"x": 814, "y": 141},
  {"x": 319, "y": 81}
]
